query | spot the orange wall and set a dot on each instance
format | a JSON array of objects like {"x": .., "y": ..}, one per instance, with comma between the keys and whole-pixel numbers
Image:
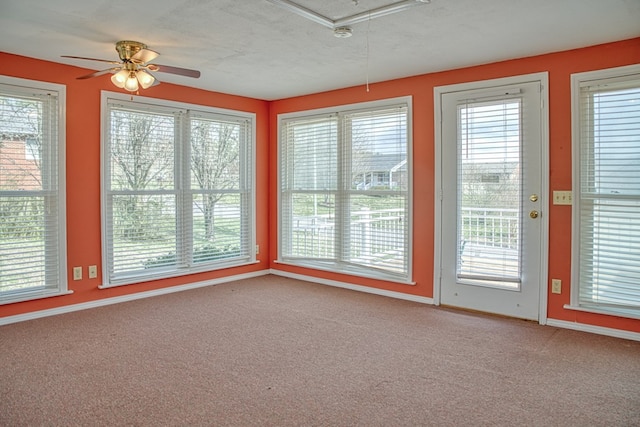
[
  {"x": 559, "y": 66},
  {"x": 83, "y": 176},
  {"x": 83, "y": 165}
]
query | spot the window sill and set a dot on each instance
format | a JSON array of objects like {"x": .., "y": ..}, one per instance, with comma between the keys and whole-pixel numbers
[
  {"x": 373, "y": 275},
  {"x": 136, "y": 279},
  {"x": 611, "y": 312},
  {"x": 31, "y": 296}
]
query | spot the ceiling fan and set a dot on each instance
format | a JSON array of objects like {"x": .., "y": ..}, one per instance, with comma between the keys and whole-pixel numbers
[{"x": 132, "y": 71}]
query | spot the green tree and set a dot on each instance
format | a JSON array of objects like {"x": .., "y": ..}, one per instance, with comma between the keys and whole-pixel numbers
[
  {"x": 215, "y": 165},
  {"x": 20, "y": 165},
  {"x": 142, "y": 150}
]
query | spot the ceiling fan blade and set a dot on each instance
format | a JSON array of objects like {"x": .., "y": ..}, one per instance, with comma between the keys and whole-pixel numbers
[
  {"x": 144, "y": 55},
  {"x": 98, "y": 73},
  {"x": 91, "y": 59},
  {"x": 174, "y": 70},
  {"x": 156, "y": 82}
]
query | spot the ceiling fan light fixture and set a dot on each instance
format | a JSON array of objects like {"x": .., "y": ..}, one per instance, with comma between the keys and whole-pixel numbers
[
  {"x": 145, "y": 79},
  {"x": 120, "y": 78},
  {"x": 131, "y": 84},
  {"x": 132, "y": 72}
]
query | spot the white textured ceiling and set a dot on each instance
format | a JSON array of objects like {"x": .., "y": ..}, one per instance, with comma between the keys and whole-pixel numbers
[{"x": 257, "y": 49}]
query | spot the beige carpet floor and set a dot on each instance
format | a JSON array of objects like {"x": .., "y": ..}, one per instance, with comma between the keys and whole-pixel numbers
[{"x": 272, "y": 351}]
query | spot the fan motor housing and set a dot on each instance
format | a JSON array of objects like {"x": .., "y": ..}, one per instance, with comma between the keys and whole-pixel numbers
[{"x": 127, "y": 48}]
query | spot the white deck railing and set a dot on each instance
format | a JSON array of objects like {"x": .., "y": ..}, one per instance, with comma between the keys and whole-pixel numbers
[
  {"x": 490, "y": 227},
  {"x": 377, "y": 236},
  {"x": 375, "y": 231}
]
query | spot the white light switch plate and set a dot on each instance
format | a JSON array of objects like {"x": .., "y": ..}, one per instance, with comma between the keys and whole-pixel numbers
[{"x": 562, "y": 198}]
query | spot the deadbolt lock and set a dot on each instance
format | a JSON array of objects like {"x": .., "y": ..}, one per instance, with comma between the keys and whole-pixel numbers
[
  {"x": 534, "y": 214},
  {"x": 533, "y": 197}
]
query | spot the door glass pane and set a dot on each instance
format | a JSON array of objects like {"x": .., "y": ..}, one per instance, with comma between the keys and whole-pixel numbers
[{"x": 489, "y": 193}]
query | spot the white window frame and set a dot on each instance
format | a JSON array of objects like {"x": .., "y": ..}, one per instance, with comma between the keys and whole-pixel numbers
[
  {"x": 57, "y": 253},
  {"x": 336, "y": 265},
  {"x": 625, "y": 73},
  {"x": 184, "y": 229}
]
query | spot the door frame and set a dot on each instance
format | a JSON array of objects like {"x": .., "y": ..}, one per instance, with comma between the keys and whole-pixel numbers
[{"x": 438, "y": 93}]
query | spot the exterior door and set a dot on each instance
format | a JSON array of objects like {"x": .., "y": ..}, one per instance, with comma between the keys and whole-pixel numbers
[{"x": 492, "y": 201}]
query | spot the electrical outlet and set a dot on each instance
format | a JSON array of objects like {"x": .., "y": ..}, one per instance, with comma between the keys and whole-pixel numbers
[
  {"x": 77, "y": 273},
  {"x": 257, "y": 249},
  {"x": 93, "y": 271},
  {"x": 562, "y": 198},
  {"x": 556, "y": 286}
]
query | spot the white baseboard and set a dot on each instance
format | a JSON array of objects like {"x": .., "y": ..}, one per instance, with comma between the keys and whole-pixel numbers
[
  {"x": 617, "y": 333},
  {"x": 124, "y": 298},
  {"x": 359, "y": 288},
  {"x": 600, "y": 330}
]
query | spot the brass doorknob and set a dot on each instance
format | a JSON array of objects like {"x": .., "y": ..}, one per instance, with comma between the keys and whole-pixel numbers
[
  {"x": 533, "y": 197},
  {"x": 534, "y": 214}
]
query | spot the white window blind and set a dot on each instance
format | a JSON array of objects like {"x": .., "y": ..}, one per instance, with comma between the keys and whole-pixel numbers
[
  {"x": 178, "y": 194},
  {"x": 32, "y": 232},
  {"x": 608, "y": 206},
  {"x": 345, "y": 191},
  {"x": 221, "y": 181}
]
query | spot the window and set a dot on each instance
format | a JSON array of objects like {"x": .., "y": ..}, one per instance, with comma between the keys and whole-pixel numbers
[
  {"x": 177, "y": 189},
  {"x": 607, "y": 177},
  {"x": 345, "y": 190},
  {"x": 32, "y": 203}
]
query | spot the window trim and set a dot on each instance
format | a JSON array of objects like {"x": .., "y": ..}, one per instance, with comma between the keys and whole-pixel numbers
[
  {"x": 579, "y": 80},
  {"x": 155, "y": 105},
  {"x": 340, "y": 110},
  {"x": 29, "y": 86}
]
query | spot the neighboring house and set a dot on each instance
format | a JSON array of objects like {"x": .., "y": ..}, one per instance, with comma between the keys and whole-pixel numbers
[
  {"x": 380, "y": 170},
  {"x": 19, "y": 168}
]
